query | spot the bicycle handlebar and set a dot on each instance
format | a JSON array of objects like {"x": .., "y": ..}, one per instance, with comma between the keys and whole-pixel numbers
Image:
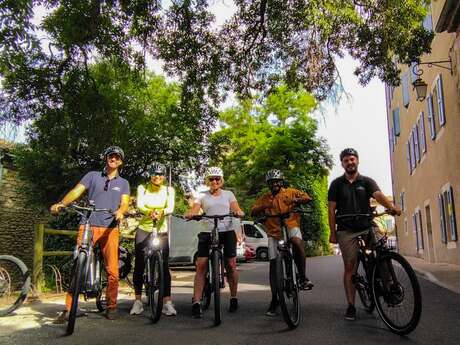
[
  {"x": 220, "y": 217},
  {"x": 357, "y": 215}
]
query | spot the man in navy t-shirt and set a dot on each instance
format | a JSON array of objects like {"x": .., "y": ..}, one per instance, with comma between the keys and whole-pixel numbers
[{"x": 107, "y": 190}]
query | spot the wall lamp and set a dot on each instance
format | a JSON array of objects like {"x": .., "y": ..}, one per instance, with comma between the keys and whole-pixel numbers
[{"x": 419, "y": 85}]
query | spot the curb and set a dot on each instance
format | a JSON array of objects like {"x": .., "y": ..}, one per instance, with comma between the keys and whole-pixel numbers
[{"x": 432, "y": 278}]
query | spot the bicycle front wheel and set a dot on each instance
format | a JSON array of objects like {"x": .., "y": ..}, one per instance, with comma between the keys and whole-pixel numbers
[
  {"x": 397, "y": 294},
  {"x": 75, "y": 287},
  {"x": 363, "y": 287},
  {"x": 14, "y": 283},
  {"x": 287, "y": 289},
  {"x": 155, "y": 285},
  {"x": 216, "y": 266}
]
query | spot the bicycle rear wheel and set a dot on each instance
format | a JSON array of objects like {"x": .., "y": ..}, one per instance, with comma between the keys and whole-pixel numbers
[
  {"x": 155, "y": 285},
  {"x": 397, "y": 294},
  {"x": 14, "y": 283},
  {"x": 363, "y": 287},
  {"x": 287, "y": 289},
  {"x": 75, "y": 287},
  {"x": 216, "y": 266}
]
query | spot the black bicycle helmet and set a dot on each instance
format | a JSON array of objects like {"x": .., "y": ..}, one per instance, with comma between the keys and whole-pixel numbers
[
  {"x": 156, "y": 168},
  {"x": 274, "y": 174},
  {"x": 114, "y": 149},
  {"x": 348, "y": 152}
]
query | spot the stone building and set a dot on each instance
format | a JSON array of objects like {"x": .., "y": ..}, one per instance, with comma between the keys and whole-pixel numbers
[
  {"x": 17, "y": 220},
  {"x": 425, "y": 142}
]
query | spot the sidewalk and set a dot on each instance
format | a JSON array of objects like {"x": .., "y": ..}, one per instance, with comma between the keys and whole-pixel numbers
[{"x": 442, "y": 274}]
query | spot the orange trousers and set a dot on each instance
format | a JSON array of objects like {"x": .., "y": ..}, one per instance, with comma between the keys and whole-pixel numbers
[{"x": 108, "y": 240}]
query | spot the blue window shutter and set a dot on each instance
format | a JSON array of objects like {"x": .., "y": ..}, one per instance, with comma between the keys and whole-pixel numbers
[
  {"x": 405, "y": 89},
  {"x": 431, "y": 120},
  {"x": 442, "y": 219},
  {"x": 392, "y": 145},
  {"x": 416, "y": 143},
  {"x": 441, "y": 107},
  {"x": 396, "y": 125},
  {"x": 452, "y": 220},
  {"x": 421, "y": 128},
  {"x": 409, "y": 163},
  {"x": 412, "y": 150}
]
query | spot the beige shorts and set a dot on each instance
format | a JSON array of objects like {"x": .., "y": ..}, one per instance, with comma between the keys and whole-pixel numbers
[
  {"x": 273, "y": 242},
  {"x": 348, "y": 243}
]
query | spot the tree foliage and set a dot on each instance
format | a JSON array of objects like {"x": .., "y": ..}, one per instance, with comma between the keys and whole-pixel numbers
[
  {"x": 265, "y": 42},
  {"x": 144, "y": 117},
  {"x": 276, "y": 132}
]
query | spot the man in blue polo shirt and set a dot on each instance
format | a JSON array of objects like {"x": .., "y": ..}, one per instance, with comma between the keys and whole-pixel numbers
[{"x": 107, "y": 190}]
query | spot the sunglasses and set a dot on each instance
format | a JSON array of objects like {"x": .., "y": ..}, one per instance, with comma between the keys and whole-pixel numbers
[
  {"x": 157, "y": 174},
  {"x": 217, "y": 178}
]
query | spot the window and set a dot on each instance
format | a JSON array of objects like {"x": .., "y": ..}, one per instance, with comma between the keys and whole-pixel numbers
[
  {"x": 431, "y": 118},
  {"x": 418, "y": 229},
  {"x": 421, "y": 129},
  {"x": 391, "y": 139},
  {"x": 428, "y": 22},
  {"x": 251, "y": 231},
  {"x": 405, "y": 89},
  {"x": 438, "y": 92},
  {"x": 401, "y": 196},
  {"x": 447, "y": 215},
  {"x": 412, "y": 150},
  {"x": 416, "y": 145},
  {"x": 396, "y": 125},
  {"x": 409, "y": 162}
]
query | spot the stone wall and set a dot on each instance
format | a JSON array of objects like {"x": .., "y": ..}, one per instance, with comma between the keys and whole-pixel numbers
[{"x": 17, "y": 221}]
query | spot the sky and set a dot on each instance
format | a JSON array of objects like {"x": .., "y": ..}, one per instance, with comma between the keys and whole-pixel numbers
[{"x": 358, "y": 122}]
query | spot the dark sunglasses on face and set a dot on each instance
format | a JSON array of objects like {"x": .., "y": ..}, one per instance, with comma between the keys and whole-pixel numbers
[
  {"x": 217, "y": 178},
  {"x": 157, "y": 174}
]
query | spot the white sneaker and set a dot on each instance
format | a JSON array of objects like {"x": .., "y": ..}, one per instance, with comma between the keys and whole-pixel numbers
[
  {"x": 137, "y": 308},
  {"x": 168, "y": 309}
]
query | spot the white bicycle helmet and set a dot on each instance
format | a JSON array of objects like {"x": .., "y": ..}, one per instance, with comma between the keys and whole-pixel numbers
[
  {"x": 214, "y": 171},
  {"x": 274, "y": 174}
]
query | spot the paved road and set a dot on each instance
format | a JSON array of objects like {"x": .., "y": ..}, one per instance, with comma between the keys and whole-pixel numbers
[{"x": 322, "y": 318}]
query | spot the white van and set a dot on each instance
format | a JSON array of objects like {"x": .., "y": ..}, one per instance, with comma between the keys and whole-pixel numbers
[
  {"x": 256, "y": 237},
  {"x": 183, "y": 241}
]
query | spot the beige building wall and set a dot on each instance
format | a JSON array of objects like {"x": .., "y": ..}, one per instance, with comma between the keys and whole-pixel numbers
[{"x": 439, "y": 167}]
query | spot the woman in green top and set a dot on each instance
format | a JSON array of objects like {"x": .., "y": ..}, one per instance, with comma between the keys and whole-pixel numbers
[{"x": 155, "y": 201}]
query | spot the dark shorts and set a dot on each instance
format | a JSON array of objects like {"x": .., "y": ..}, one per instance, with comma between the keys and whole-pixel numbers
[{"x": 227, "y": 239}]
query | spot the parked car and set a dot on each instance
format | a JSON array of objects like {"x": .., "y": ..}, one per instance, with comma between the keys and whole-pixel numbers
[
  {"x": 240, "y": 251},
  {"x": 249, "y": 253},
  {"x": 257, "y": 238}
]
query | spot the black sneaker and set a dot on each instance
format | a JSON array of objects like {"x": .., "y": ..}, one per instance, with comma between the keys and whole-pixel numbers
[
  {"x": 196, "y": 310},
  {"x": 305, "y": 284},
  {"x": 350, "y": 314},
  {"x": 233, "y": 305},
  {"x": 272, "y": 309}
]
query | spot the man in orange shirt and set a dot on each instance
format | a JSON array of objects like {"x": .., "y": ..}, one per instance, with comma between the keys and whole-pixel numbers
[{"x": 282, "y": 200}]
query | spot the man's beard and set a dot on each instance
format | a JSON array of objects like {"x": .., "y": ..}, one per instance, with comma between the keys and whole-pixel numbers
[{"x": 351, "y": 169}]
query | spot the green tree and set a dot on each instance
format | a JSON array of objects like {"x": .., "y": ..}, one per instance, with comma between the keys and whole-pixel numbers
[
  {"x": 143, "y": 116},
  {"x": 264, "y": 43},
  {"x": 276, "y": 132}
]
